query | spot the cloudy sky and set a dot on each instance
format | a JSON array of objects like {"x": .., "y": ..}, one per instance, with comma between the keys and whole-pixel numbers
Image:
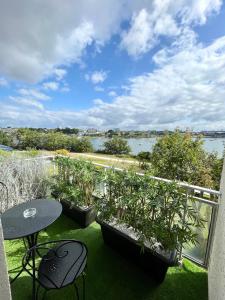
[{"x": 132, "y": 64}]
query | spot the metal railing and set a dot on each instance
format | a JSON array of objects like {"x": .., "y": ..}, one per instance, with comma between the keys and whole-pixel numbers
[{"x": 205, "y": 200}]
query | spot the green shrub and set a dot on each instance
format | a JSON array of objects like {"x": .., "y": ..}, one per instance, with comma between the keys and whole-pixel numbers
[
  {"x": 76, "y": 181},
  {"x": 5, "y": 139},
  {"x": 157, "y": 211},
  {"x": 81, "y": 145},
  {"x": 144, "y": 159},
  {"x": 32, "y": 152},
  {"x": 63, "y": 152},
  {"x": 116, "y": 145}
]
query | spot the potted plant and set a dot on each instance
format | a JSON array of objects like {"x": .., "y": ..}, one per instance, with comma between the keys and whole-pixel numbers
[
  {"x": 74, "y": 186},
  {"x": 145, "y": 219}
]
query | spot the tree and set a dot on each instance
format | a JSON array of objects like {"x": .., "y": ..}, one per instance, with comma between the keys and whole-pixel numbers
[
  {"x": 5, "y": 139},
  {"x": 116, "y": 145},
  {"x": 55, "y": 141},
  {"x": 28, "y": 138},
  {"x": 110, "y": 133},
  {"x": 80, "y": 145},
  {"x": 144, "y": 157},
  {"x": 68, "y": 130},
  {"x": 178, "y": 156},
  {"x": 216, "y": 165}
]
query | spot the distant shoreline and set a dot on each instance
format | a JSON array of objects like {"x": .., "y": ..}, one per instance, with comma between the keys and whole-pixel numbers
[{"x": 154, "y": 136}]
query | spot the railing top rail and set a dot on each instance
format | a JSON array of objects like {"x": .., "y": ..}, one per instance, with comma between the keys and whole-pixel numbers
[
  {"x": 50, "y": 157},
  {"x": 182, "y": 184}
]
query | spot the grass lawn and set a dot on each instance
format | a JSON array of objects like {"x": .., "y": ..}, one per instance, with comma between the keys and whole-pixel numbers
[
  {"x": 122, "y": 162},
  {"x": 109, "y": 276}
]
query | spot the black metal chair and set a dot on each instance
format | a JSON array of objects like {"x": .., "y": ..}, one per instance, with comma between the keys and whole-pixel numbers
[
  {"x": 60, "y": 264},
  {"x": 4, "y": 197}
]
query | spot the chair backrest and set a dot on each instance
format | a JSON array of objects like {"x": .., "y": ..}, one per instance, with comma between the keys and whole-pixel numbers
[
  {"x": 71, "y": 254},
  {"x": 4, "y": 197}
]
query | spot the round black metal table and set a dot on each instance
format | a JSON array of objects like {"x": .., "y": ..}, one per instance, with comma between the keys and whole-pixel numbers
[{"x": 16, "y": 226}]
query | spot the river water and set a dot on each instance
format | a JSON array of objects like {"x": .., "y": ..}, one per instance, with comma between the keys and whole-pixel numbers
[{"x": 146, "y": 144}]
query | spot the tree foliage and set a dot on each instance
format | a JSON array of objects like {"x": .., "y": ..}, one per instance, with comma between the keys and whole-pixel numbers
[
  {"x": 178, "y": 156},
  {"x": 51, "y": 140},
  {"x": 81, "y": 145},
  {"x": 116, "y": 145},
  {"x": 68, "y": 130},
  {"x": 5, "y": 139}
]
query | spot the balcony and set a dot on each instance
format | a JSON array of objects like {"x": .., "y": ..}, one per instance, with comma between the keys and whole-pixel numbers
[{"x": 109, "y": 275}]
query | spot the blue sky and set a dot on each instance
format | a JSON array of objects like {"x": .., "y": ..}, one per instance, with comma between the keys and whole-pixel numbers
[{"x": 114, "y": 63}]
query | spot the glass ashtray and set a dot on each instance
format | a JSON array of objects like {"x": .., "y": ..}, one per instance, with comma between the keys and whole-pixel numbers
[{"x": 29, "y": 213}]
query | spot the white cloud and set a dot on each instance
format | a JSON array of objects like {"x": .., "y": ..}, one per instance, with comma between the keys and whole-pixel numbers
[
  {"x": 140, "y": 37},
  {"x": 96, "y": 77},
  {"x": 33, "y": 93},
  {"x": 112, "y": 94},
  {"x": 60, "y": 73},
  {"x": 65, "y": 88},
  {"x": 33, "y": 46},
  {"x": 98, "y": 102},
  {"x": 98, "y": 88},
  {"x": 187, "y": 89},
  {"x": 51, "y": 85},
  {"x": 27, "y": 102},
  {"x": 198, "y": 11},
  {"x": 3, "y": 82},
  {"x": 164, "y": 18}
]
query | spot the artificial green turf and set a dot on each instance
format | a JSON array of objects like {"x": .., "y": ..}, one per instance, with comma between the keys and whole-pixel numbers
[{"x": 110, "y": 276}]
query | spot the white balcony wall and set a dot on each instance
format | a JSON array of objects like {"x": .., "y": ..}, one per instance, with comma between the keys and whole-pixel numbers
[
  {"x": 5, "y": 293},
  {"x": 216, "y": 272}
]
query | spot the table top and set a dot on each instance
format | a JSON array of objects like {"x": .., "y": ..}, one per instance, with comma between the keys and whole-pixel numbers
[{"x": 15, "y": 225}]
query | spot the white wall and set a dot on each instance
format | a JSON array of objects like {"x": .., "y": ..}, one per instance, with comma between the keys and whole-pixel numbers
[
  {"x": 216, "y": 273},
  {"x": 5, "y": 293}
]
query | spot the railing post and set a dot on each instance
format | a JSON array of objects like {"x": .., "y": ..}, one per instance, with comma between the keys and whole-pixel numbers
[
  {"x": 105, "y": 187},
  {"x": 211, "y": 234},
  {"x": 216, "y": 274},
  {"x": 184, "y": 217},
  {"x": 5, "y": 292}
]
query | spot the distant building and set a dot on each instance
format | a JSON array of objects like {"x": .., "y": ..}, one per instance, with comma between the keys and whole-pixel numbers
[{"x": 91, "y": 130}]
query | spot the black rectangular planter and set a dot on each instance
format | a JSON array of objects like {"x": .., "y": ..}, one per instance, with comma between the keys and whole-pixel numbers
[
  {"x": 83, "y": 217},
  {"x": 153, "y": 263}
]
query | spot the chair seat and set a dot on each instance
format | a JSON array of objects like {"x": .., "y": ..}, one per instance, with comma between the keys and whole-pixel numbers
[{"x": 62, "y": 264}]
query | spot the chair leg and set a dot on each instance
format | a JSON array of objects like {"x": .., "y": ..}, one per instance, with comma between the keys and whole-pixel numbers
[
  {"x": 24, "y": 243},
  {"x": 45, "y": 292},
  {"x": 83, "y": 276},
  {"x": 37, "y": 291},
  {"x": 77, "y": 292}
]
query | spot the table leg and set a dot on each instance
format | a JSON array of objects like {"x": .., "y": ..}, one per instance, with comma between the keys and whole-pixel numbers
[{"x": 32, "y": 241}]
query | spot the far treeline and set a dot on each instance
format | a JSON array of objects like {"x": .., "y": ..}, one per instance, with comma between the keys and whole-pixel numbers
[
  {"x": 25, "y": 138},
  {"x": 176, "y": 155}
]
